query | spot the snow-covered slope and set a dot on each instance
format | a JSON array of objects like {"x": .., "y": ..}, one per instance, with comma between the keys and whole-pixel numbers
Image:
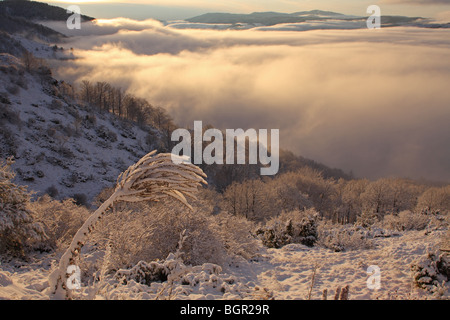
[
  {"x": 289, "y": 270},
  {"x": 57, "y": 142},
  {"x": 284, "y": 274}
]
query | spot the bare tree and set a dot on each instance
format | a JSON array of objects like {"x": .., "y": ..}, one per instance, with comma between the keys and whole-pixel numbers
[
  {"x": 100, "y": 94},
  {"x": 435, "y": 199},
  {"x": 86, "y": 91},
  {"x": 29, "y": 61}
]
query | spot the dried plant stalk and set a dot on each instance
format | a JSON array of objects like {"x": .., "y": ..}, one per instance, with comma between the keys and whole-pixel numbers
[{"x": 153, "y": 178}]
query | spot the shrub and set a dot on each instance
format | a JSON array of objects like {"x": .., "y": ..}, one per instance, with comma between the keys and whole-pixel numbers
[
  {"x": 106, "y": 134},
  {"x": 55, "y": 105},
  {"x": 236, "y": 234},
  {"x": 4, "y": 98},
  {"x": 10, "y": 116},
  {"x": 176, "y": 280},
  {"x": 80, "y": 199},
  {"x": 52, "y": 191},
  {"x": 9, "y": 144},
  {"x": 150, "y": 232},
  {"x": 18, "y": 229},
  {"x": 405, "y": 221},
  {"x": 13, "y": 89},
  {"x": 61, "y": 220},
  {"x": 430, "y": 272},
  {"x": 367, "y": 219},
  {"x": 291, "y": 227},
  {"x": 151, "y": 138},
  {"x": 90, "y": 121},
  {"x": 21, "y": 82},
  {"x": 348, "y": 237}
]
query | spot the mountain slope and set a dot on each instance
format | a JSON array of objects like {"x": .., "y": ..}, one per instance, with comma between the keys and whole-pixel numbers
[
  {"x": 24, "y": 17},
  {"x": 9, "y": 45},
  {"x": 60, "y": 146},
  {"x": 30, "y": 30}
]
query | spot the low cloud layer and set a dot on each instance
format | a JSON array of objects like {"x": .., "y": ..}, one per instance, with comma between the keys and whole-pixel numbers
[{"x": 372, "y": 101}]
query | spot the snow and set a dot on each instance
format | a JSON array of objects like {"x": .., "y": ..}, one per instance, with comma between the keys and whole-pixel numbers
[
  {"x": 23, "y": 282},
  {"x": 289, "y": 271},
  {"x": 281, "y": 274},
  {"x": 40, "y": 49},
  {"x": 81, "y": 163},
  {"x": 284, "y": 273}
]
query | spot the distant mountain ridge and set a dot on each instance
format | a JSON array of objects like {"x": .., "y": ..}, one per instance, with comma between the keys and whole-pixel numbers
[
  {"x": 35, "y": 11},
  {"x": 318, "y": 12},
  {"x": 274, "y": 18},
  {"x": 266, "y": 18},
  {"x": 24, "y": 17}
]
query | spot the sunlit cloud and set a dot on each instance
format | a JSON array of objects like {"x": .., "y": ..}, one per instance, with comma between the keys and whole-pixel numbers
[
  {"x": 443, "y": 16},
  {"x": 372, "y": 102}
]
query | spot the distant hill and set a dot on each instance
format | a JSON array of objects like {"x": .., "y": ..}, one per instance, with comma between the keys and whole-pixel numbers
[
  {"x": 268, "y": 18},
  {"x": 31, "y": 30},
  {"x": 291, "y": 162},
  {"x": 37, "y": 11},
  {"x": 318, "y": 13},
  {"x": 274, "y": 18},
  {"x": 23, "y": 17}
]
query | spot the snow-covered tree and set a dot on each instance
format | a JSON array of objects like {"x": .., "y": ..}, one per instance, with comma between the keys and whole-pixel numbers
[
  {"x": 377, "y": 197},
  {"x": 246, "y": 199},
  {"x": 283, "y": 195},
  {"x": 319, "y": 190},
  {"x": 17, "y": 226},
  {"x": 351, "y": 202},
  {"x": 435, "y": 200},
  {"x": 153, "y": 178}
]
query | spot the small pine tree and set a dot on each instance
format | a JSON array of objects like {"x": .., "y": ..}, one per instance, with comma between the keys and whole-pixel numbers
[{"x": 17, "y": 227}]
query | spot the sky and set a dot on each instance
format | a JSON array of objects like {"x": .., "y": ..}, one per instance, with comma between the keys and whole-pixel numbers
[{"x": 182, "y": 9}]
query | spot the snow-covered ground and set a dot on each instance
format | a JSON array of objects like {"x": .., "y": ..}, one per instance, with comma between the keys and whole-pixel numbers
[
  {"x": 281, "y": 274},
  {"x": 60, "y": 144},
  {"x": 40, "y": 49},
  {"x": 292, "y": 266}
]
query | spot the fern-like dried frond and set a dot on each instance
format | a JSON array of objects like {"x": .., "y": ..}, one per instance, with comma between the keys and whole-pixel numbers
[
  {"x": 152, "y": 178},
  {"x": 156, "y": 177}
]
